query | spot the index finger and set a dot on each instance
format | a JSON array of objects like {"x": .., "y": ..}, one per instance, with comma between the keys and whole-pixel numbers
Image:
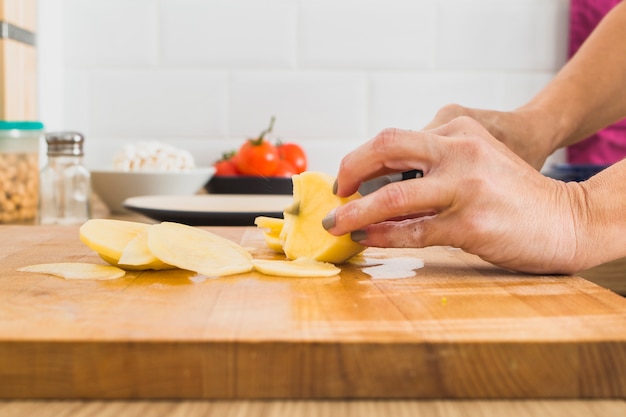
[
  {"x": 392, "y": 150},
  {"x": 411, "y": 198}
]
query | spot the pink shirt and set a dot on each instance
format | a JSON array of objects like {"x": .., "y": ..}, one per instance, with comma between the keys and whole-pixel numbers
[{"x": 608, "y": 145}]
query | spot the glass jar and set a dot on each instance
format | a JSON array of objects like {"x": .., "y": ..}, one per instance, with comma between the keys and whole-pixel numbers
[
  {"x": 19, "y": 170},
  {"x": 65, "y": 183}
]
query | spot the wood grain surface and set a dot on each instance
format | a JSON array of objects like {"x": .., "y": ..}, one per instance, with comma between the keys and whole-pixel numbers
[
  {"x": 320, "y": 408},
  {"x": 455, "y": 328}
]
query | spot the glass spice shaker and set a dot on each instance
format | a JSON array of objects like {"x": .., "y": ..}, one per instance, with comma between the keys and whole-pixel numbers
[{"x": 64, "y": 183}]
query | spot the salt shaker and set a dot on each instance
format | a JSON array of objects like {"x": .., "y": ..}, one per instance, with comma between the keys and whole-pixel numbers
[{"x": 64, "y": 183}]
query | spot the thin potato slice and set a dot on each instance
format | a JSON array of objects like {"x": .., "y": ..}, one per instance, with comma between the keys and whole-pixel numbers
[
  {"x": 274, "y": 243},
  {"x": 76, "y": 270},
  {"x": 137, "y": 254},
  {"x": 197, "y": 250},
  {"x": 298, "y": 268},
  {"x": 273, "y": 225},
  {"x": 109, "y": 237}
]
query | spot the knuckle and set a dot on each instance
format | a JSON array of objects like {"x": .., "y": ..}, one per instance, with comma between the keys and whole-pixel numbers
[
  {"x": 452, "y": 108},
  {"x": 394, "y": 199},
  {"x": 385, "y": 140},
  {"x": 344, "y": 163},
  {"x": 465, "y": 123},
  {"x": 465, "y": 119},
  {"x": 348, "y": 217},
  {"x": 470, "y": 146},
  {"x": 450, "y": 111}
]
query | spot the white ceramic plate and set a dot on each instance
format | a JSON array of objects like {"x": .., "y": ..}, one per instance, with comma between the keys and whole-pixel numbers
[
  {"x": 114, "y": 186},
  {"x": 209, "y": 209}
]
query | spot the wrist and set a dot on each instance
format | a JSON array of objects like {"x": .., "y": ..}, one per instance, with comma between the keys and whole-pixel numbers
[
  {"x": 599, "y": 208},
  {"x": 543, "y": 133}
]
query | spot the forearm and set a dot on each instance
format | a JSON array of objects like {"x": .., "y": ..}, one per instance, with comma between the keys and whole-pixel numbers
[{"x": 589, "y": 92}]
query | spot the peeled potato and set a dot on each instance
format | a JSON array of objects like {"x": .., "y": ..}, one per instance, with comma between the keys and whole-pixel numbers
[
  {"x": 302, "y": 233},
  {"x": 299, "y": 268},
  {"x": 197, "y": 250},
  {"x": 77, "y": 270}
]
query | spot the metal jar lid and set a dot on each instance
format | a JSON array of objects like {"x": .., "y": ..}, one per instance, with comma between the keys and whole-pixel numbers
[{"x": 65, "y": 143}]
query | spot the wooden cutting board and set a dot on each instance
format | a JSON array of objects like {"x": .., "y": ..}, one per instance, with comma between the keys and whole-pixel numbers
[{"x": 455, "y": 328}]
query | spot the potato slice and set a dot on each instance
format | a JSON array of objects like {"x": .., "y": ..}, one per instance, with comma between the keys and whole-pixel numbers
[
  {"x": 302, "y": 233},
  {"x": 299, "y": 268},
  {"x": 273, "y": 225},
  {"x": 76, "y": 270},
  {"x": 137, "y": 254},
  {"x": 274, "y": 243},
  {"x": 109, "y": 237},
  {"x": 197, "y": 250}
]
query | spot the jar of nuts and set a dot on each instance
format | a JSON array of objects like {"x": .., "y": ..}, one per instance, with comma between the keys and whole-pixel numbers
[{"x": 19, "y": 170}]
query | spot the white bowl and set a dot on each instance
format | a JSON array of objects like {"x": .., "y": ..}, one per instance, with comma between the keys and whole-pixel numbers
[{"x": 114, "y": 186}]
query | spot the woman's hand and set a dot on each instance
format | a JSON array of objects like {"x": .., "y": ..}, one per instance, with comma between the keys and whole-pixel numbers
[
  {"x": 476, "y": 194},
  {"x": 527, "y": 132}
]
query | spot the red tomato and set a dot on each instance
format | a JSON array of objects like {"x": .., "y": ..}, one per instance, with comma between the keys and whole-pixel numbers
[
  {"x": 285, "y": 169},
  {"x": 294, "y": 154},
  {"x": 234, "y": 158},
  {"x": 257, "y": 158},
  {"x": 226, "y": 166}
]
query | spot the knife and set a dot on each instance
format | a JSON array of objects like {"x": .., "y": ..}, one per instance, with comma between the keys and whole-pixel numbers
[{"x": 372, "y": 185}]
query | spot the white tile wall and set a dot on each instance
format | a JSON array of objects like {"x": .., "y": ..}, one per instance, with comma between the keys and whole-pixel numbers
[
  {"x": 371, "y": 34},
  {"x": 205, "y": 74},
  {"x": 526, "y": 35},
  {"x": 158, "y": 103},
  {"x": 106, "y": 33},
  {"x": 307, "y": 104},
  {"x": 231, "y": 34}
]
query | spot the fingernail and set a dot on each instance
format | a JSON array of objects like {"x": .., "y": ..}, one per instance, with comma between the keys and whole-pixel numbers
[
  {"x": 328, "y": 222},
  {"x": 335, "y": 187},
  {"x": 358, "y": 235}
]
